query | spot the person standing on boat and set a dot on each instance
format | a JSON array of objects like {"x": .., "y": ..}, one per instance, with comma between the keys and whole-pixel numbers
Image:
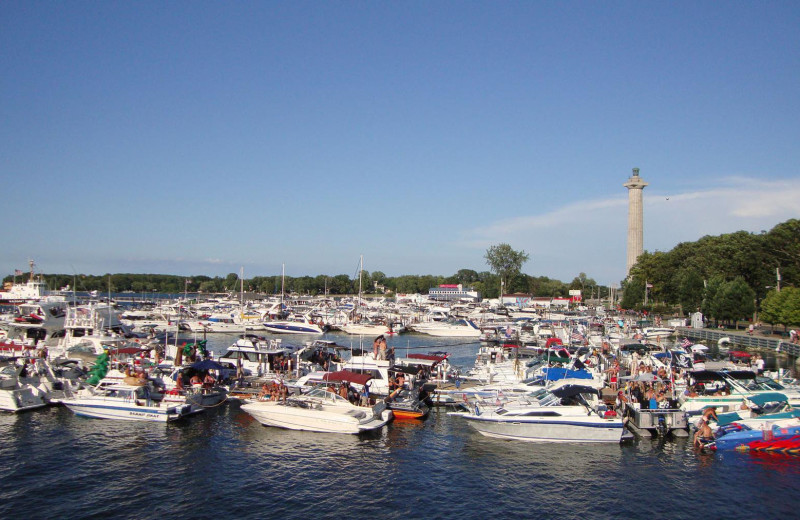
[
  {"x": 382, "y": 351},
  {"x": 759, "y": 364},
  {"x": 376, "y": 345}
]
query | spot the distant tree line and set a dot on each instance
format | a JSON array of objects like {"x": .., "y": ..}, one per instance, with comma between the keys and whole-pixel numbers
[
  {"x": 727, "y": 277},
  {"x": 376, "y": 282}
]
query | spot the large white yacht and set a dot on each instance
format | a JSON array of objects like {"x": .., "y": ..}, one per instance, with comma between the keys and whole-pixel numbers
[{"x": 452, "y": 328}]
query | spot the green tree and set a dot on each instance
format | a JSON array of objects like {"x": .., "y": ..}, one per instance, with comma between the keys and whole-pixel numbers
[
  {"x": 466, "y": 276},
  {"x": 632, "y": 293},
  {"x": 690, "y": 290},
  {"x": 583, "y": 283},
  {"x": 782, "y": 307},
  {"x": 790, "y": 314},
  {"x": 735, "y": 301},
  {"x": 710, "y": 305},
  {"x": 505, "y": 262}
]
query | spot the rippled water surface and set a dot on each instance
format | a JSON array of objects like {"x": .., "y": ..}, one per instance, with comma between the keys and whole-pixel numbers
[{"x": 223, "y": 464}]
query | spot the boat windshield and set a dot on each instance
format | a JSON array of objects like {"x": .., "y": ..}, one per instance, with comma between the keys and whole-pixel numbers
[
  {"x": 770, "y": 384},
  {"x": 324, "y": 394}
]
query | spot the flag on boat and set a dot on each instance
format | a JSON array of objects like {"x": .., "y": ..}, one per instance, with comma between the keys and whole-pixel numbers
[
  {"x": 17, "y": 272},
  {"x": 686, "y": 343},
  {"x": 576, "y": 337},
  {"x": 681, "y": 360}
]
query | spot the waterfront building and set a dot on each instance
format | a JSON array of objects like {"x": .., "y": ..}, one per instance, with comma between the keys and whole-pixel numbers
[{"x": 453, "y": 292}]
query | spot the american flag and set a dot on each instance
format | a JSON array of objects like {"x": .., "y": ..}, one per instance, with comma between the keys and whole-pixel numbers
[
  {"x": 17, "y": 272},
  {"x": 686, "y": 343},
  {"x": 577, "y": 337}
]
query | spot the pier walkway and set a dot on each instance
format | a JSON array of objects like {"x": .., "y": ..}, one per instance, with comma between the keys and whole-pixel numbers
[{"x": 742, "y": 339}]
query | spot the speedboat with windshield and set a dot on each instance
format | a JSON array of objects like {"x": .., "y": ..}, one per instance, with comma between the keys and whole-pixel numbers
[
  {"x": 726, "y": 389},
  {"x": 127, "y": 403},
  {"x": 320, "y": 410}
]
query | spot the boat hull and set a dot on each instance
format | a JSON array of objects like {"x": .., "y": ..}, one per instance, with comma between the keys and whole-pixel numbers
[
  {"x": 325, "y": 421},
  {"x": 125, "y": 412},
  {"x": 291, "y": 328},
  {"x": 549, "y": 431},
  {"x": 366, "y": 330},
  {"x": 20, "y": 400}
]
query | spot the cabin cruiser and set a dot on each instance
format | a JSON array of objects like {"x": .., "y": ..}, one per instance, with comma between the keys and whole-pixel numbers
[
  {"x": 657, "y": 332},
  {"x": 567, "y": 414},
  {"x": 321, "y": 409},
  {"x": 293, "y": 325},
  {"x": 215, "y": 323},
  {"x": 372, "y": 329},
  {"x": 259, "y": 356},
  {"x": 452, "y": 328},
  {"x": 128, "y": 403},
  {"x": 37, "y": 321}
]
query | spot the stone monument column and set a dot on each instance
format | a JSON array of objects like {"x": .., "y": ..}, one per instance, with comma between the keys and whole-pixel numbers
[{"x": 635, "y": 186}]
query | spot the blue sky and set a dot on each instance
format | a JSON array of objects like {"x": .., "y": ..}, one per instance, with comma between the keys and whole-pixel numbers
[{"x": 199, "y": 137}]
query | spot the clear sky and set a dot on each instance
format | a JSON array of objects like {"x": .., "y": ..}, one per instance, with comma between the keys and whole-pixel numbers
[{"x": 199, "y": 137}]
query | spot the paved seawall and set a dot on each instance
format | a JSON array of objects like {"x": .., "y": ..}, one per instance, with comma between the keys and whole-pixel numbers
[{"x": 741, "y": 339}]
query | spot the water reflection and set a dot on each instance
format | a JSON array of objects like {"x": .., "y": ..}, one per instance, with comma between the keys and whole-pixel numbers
[{"x": 222, "y": 463}]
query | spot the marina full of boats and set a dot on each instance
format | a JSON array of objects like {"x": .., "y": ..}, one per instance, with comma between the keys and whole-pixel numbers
[{"x": 293, "y": 364}]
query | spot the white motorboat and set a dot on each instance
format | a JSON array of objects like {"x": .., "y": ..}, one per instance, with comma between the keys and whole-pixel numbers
[
  {"x": 371, "y": 329},
  {"x": 543, "y": 417},
  {"x": 657, "y": 332},
  {"x": 214, "y": 323},
  {"x": 127, "y": 403},
  {"x": 450, "y": 329},
  {"x": 319, "y": 411},
  {"x": 295, "y": 325}
]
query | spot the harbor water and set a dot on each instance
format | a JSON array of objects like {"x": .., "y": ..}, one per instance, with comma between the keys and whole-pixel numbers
[{"x": 224, "y": 464}]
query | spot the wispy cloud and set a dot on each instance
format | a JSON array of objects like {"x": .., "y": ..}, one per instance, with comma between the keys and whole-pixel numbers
[{"x": 590, "y": 236}]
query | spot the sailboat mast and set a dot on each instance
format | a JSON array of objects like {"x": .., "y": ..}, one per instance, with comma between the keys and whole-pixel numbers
[{"x": 360, "y": 273}]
